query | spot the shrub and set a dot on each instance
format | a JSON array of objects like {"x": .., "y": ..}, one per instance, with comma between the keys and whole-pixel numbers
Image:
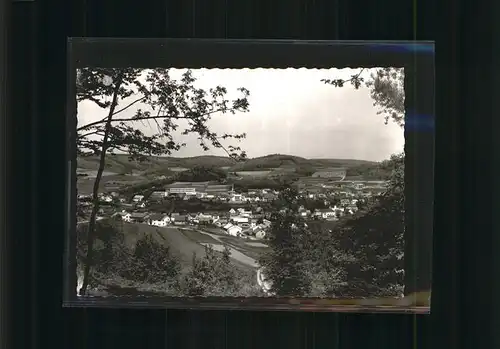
[
  {"x": 211, "y": 275},
  {"x": 153, "y": 262}
]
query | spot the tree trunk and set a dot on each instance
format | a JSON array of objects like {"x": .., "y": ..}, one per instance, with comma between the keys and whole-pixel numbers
[{"x": 95, "y": 193}]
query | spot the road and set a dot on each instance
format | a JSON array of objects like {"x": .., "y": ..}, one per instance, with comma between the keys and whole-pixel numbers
[{"x": 261, "y": 280}]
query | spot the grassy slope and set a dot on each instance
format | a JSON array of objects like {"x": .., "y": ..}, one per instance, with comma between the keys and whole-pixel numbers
[{"x": 182, "y": 245}]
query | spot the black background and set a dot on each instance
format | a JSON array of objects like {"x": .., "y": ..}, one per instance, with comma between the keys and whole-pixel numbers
[{"x": 463, "y": 303}]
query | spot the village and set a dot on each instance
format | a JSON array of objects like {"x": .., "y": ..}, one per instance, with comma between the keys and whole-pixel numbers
[{"x": 221, "y": 209}]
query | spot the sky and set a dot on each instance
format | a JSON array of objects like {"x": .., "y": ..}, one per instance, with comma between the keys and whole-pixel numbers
[{"x": 291, "y": 112}]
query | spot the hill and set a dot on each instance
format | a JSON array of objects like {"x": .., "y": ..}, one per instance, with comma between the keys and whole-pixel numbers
[
  {"x": 121, "y": 164},
  {"x": 281, "y": 161}
]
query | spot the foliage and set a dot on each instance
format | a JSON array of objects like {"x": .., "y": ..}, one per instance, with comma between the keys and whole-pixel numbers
[
  {"x": 386, "y": 89},
  {"x": 289, "y": 240},
  {"x": 153, "y": 262},
  {"x": 370, "y": 171},
  {"x": 167, "y": 103},
  {"x": 362, "y": 255},
  {"x": 110, "y": 253},
  {"x": 215, "y": 275},
  {"x": 374, "y": 240},
  {"x": 202, "y": 174}
]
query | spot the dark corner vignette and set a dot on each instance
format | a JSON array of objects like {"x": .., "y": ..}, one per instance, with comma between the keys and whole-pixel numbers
[{"x": 417, "y": 59}]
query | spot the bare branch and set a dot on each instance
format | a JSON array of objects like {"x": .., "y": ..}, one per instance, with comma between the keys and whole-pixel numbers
[
  {"x": 355, "y": 80},
  {"x": 146, "y": 118},
  {"x": 129, "y": 105}
]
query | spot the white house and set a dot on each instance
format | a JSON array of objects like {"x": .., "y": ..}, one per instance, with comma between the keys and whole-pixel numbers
[
  {"x": 266, "y": 223},
  {"x": 159, "y": 220},
  {"x": 141, "y": 205},
  {"x": 138, "y": 198},
  {"x": 240, "y": 219},
  {"x": 127, "y": 217},
  {"x": 244, "y": 213},
  {"x": 237, "y": 198},
  {"x": 106, "y": 198},
  {"x": 260, "y": 234},
  {"x": 234, "y": 230},
  {"x": 325, "y": 213}
]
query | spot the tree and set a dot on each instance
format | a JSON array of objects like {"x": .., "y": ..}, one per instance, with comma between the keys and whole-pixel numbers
[
  {"x": 289, "y": 239},
  {"x": 374, "y": 239},
  {"x": 202, "y": 174},
  {"x": 386, "y": 89},
  {"x": 167, "y": 102},
  {"x": 369, "y": 245},
  {"x": 211, "y": 275},
  {"x": 153, "y": 262}
]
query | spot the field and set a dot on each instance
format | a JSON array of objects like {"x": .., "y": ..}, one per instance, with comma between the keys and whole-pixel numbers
[
  {"x": 255, "y": 174},
  {"x": 109, "y": 182},
  {"x": 183, "y": 243},
  {"x": 245, "y": 246},
  {"x": 121, "y": 164},
  {"x": 178, "y": 169},
  {"x": 262, "y": 172},
  {"x": 250, "y": 248}
]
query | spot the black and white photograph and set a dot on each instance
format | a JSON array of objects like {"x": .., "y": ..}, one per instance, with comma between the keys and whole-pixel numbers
[{"x": 240, "y": 182}]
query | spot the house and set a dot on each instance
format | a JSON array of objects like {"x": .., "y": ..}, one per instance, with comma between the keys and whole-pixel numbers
[
  {"x": 325, "y": 213},
  {"x": 244, "y": 213},
  {"x": 141, "y": 205},
  {"x": 204, "y": 219},
  {"x": 266, "y": 223},
  {"x": 218, "y": 189},
  {"x": 159, "y": 220},
  {"x": 106, "y": 198},
  {"x": 254, "y": 230},
  {"x": 260, "y": 234},
  {"x": 232, "y": 212},
  {"x": 123, "y": 215},
  {"x": 158, "y": 195},
  {"x": 234, "y": 230},
  {"x": 222, "y": 221},
  {"x": 345, "y": 202},
  {"x": 268, "y": 197},
  {"x": 237, "y": 198},
  {"x": 180, "y": 220},
  {"x": 138, "y": 217},
  {"x": 304, "y": 212},
  {"x": 127, "y": 217},
  {"x": 138, "y": 198},
  {"x": 240, "y": 219}
]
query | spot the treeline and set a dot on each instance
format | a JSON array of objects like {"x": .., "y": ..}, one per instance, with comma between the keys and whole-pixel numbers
[
  {"x": 362, "y": 255},
  {"x": 196, "y": 174},
  {"x": 153, "y": 266},
  {"x": 370, "y": 171}
]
